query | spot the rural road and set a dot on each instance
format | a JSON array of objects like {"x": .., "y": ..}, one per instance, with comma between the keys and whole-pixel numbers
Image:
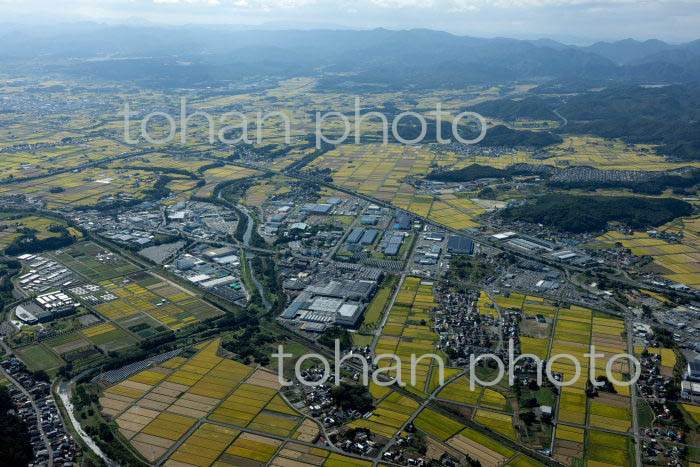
[{"x": 45, "y": 440}]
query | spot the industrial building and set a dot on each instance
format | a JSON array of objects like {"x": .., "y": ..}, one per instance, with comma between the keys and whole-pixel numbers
[
  {"x": 336, "y": 302},
  {"x": 44, "y": 274},
  {"x": 317, "y": 209},
  {"x": 212, "y": 253},
  {"x": 45, "y": 308},
  {"x": 392, "y": 244},
  {"x": 458, "y": 245},
  {"x": 369, "y": 219},
  {"x": 369, "y": 237},
  {"x": 435, "y": 236},
  {"x": 525, "y": 245},
  {"x": 355, "y": 235},
  {"x": 403, "y": 221}
]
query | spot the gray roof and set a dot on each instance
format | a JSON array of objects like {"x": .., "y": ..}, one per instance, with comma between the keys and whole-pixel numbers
[{"x": 460, "y": 245}]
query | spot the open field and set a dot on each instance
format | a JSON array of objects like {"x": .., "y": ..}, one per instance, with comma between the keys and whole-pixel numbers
[
  {"x": 480, "y": 447},
  {"x": 157, "y": 407},
  {"x": 498, "y": 422},
  {"x": 437, "y": 425},
  {"x": 678, "y": 262},
  {"x": 38, "y": 357},
  {"x": 144, "y": 295},
  {"x": 608, "y": 448},
  {"x": 408, "y": 331},
  {"x": 94, "y": 262},
  {"x": 12, "y": 224}
]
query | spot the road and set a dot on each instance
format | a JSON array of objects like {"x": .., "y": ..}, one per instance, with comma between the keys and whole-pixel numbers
[
  {"x": 633, "y": 396},
  {"x": 482, "y": 239},
  {"x": 500, "y": 319},
  {"x": 563, "y": 118},
  {"x": 44, "y": 439}
]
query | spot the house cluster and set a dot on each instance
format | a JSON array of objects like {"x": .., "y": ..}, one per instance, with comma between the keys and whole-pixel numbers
[
  {"x": 651, "y": 383},
  {"x": 463, "y": 331},
  {"x": 653, "y": 445},
  {"x": 45, "y": 419}
]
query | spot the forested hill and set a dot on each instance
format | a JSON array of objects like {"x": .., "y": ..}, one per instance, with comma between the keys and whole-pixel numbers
[
  {"x": 668, "y": 116},
  {"x": 208, "y": 56},
  {"x": 577, "y": 214},
  {"x": 469, "y": 173}
]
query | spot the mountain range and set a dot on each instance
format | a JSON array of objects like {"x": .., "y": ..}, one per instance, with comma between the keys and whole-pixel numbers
[{"x": 192, "y": 56}]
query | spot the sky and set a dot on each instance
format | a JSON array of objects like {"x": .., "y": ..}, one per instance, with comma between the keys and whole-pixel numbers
[{"x": 574, "y": 21}]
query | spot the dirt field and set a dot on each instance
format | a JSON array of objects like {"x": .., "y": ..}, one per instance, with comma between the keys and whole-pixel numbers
[
  {"x": 476, "y": 451},
  {"x": 265, "y": 379},
  {"x": 436, "y": 450},
  {"x": 531, "y": 328}
]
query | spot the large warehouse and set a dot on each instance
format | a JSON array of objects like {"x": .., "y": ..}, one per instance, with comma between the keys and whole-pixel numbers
[{"x": 458, "y": 245}]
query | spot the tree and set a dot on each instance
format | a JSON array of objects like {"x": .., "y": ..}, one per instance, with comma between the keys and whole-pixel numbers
[
  {"x": 41, "y": 375},
  {"x": 15, "y": 445},
  {"x": 352, "y": 397},
  {"x": 105, "y": 433},
  {"x": 528, "y": 418}
]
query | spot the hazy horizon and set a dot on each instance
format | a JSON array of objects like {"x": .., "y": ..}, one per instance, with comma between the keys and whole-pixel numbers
[{"x": 579, "y": 22}]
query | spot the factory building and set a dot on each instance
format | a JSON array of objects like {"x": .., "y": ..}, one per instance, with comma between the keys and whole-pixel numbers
[
  {"x": 458, "y": 245},
  {"x": 45, "y": 308},
  {"x": 336, "y": 302}
]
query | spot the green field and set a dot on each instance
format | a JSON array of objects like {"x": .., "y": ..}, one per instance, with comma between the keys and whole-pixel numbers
[
  {"x": 38, "y": 357},
  {"x": 94, "y": 262},
  {"x": 375, "y": 310}
]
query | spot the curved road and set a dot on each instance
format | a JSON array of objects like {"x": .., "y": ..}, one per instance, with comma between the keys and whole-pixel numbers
[{"x": 44, "y": 439}]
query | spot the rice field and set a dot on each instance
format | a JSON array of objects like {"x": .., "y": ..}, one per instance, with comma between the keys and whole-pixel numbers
[
  {"x": 42, "y": 160},
  {"x": 437, "y": 425},
  {"x": 498, "y": 422},
  {"x": 249, "y": 446},
  {"x": 480, "y": 447},
  {"x": 608, "y": 449},
  {"x": 485, "y": 305},
  {"x": 679, "y": 262},
  {"x": 570, "y": 433},
  {"x": 389, "y": 416},
  {"x": 494, "y": 400},
  {"x": 295, "y": 455},
  {"x": 203, "y": 446},
  {"x": 610, "y": 412},
  {"x": 535, "y": 346},
  {"x": 404, "y": 334},
  {"x": 379, "y": 171},
  {"x": 223, "y": 401},
  {"x": 693, "y": 410},
  {"x": 142, "y": 293},
  {"x": 459, "y": 391}
]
